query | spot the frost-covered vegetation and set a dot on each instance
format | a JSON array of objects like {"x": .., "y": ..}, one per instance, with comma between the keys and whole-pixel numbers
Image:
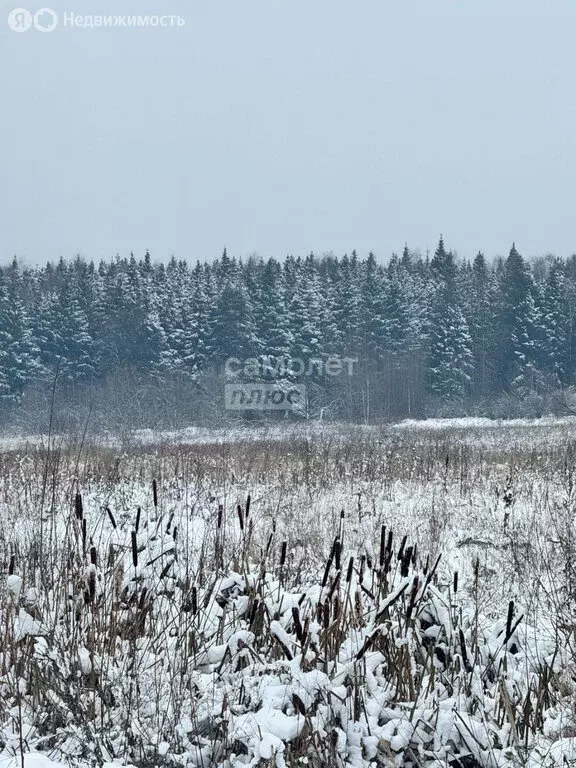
[
  {"x": 355, "y": 598},
  {"x": 145, "y": 345}
]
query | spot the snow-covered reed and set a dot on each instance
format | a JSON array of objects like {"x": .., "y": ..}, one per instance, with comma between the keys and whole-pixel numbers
[{"x": 367, "y": 599}]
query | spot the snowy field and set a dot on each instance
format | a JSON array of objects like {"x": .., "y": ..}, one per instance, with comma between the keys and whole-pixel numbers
[
  {"x": 470, "y": 429},
  {"x": 312, "y": 596}
]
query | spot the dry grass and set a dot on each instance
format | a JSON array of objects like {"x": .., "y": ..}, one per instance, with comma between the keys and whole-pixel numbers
[{"x": 147, "y": 605}]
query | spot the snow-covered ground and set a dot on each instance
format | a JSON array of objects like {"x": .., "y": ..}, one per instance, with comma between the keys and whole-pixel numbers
[
  {"x": 185, "y": 635},
  {"x": 469, "y": 428}
]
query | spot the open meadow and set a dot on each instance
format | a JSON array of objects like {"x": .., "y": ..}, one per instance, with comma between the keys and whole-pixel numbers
[{"x": 319, "y": 596}]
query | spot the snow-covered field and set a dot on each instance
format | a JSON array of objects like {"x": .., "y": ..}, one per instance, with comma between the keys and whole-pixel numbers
[{"x": 388, "y": 596}]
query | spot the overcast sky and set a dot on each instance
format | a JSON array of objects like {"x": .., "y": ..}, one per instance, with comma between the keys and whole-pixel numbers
[{"x": 285, "y": 126}]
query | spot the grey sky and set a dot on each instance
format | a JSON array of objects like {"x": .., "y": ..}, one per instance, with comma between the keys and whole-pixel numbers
[{"x": 277, "y": 126}]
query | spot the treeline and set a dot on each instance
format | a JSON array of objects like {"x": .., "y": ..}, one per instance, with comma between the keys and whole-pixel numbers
[{"x": 430, "y": 334}]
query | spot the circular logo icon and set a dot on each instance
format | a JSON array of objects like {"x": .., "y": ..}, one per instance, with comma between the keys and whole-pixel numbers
[
  {"x": 45, "y": 20},
  {"x": 20, "y": 20}
]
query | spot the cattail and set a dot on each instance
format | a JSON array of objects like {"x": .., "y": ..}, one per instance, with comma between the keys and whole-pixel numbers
[
  {"x": 402, "y": 545},
  {"x": 283, "y": 554},
  {"x": 335, "y": 583},
  {"x": 111, "y": 516},
  {"x": 84, "y": 534},
  {"x": 248, "y": 506},
  {"x": 464, "y": 652},
  {"x": 175, "y": 532},
  {"x": 405, "y": 564},
  {"x": 358, "y": 606},
  {"x": 91, "y": 586},
  {"x": 336, "y": 550},
  {"x": 327, "y": 570},
  {"x": 382, "y": 545},
  {"x": 240, "y": 517},
  {"x": 455, "y": 584},
  {"x": 155, "y": 492},
  {"x": 166, "y": 569},
  {"x": 194, "y": 601},
  {"x": 137, "y": 526},
  {"x": 389, "y": 551},
  {"x": 337, "y": 606},
  {"x": 12, "y": 565},
  {"x": 79, "y": 506},
  {"x": 298, "y": 705},
  {"x": 93, "y": 556},
  {"x": 306, "y": 629},
  {"x": 134, "y": 550},
  {"x": 476, "y": 569},
  {"x": 253, "y": 611},
  {"x": 297, "y": 624},
  {"x": 350, "y": 568},
  {"x": 326, "y": 615},
  {"x": 169, "y": 522},
  {"x": 509, "y": 620},
  {"x": 220, "y": 513}
]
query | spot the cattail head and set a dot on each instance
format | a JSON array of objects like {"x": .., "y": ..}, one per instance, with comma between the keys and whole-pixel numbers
[
  {"x": 350, "y": 569},
  {"x": 134, "y": 549},
  {"x": 194, "y": 601},
  {"x": 382, "y": 546},
  {"x": 111, "y": 517}
]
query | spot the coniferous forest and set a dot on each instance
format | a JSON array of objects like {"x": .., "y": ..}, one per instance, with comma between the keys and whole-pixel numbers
[{"x": 433, "y": 335}]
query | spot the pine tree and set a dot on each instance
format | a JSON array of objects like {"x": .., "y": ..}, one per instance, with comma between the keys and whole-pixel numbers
[
  {"x": 554, "y": 340},
  {"x": 480, "y": 311},
  {"x": 17, "y": 350},
  {"x": 275, "y": 339},
  {"x": 373, "y": 331},
  {"x": 450, "y": 359},
  {"x": 518, "y": 323},
  {"x": 232, "y": 328}
]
